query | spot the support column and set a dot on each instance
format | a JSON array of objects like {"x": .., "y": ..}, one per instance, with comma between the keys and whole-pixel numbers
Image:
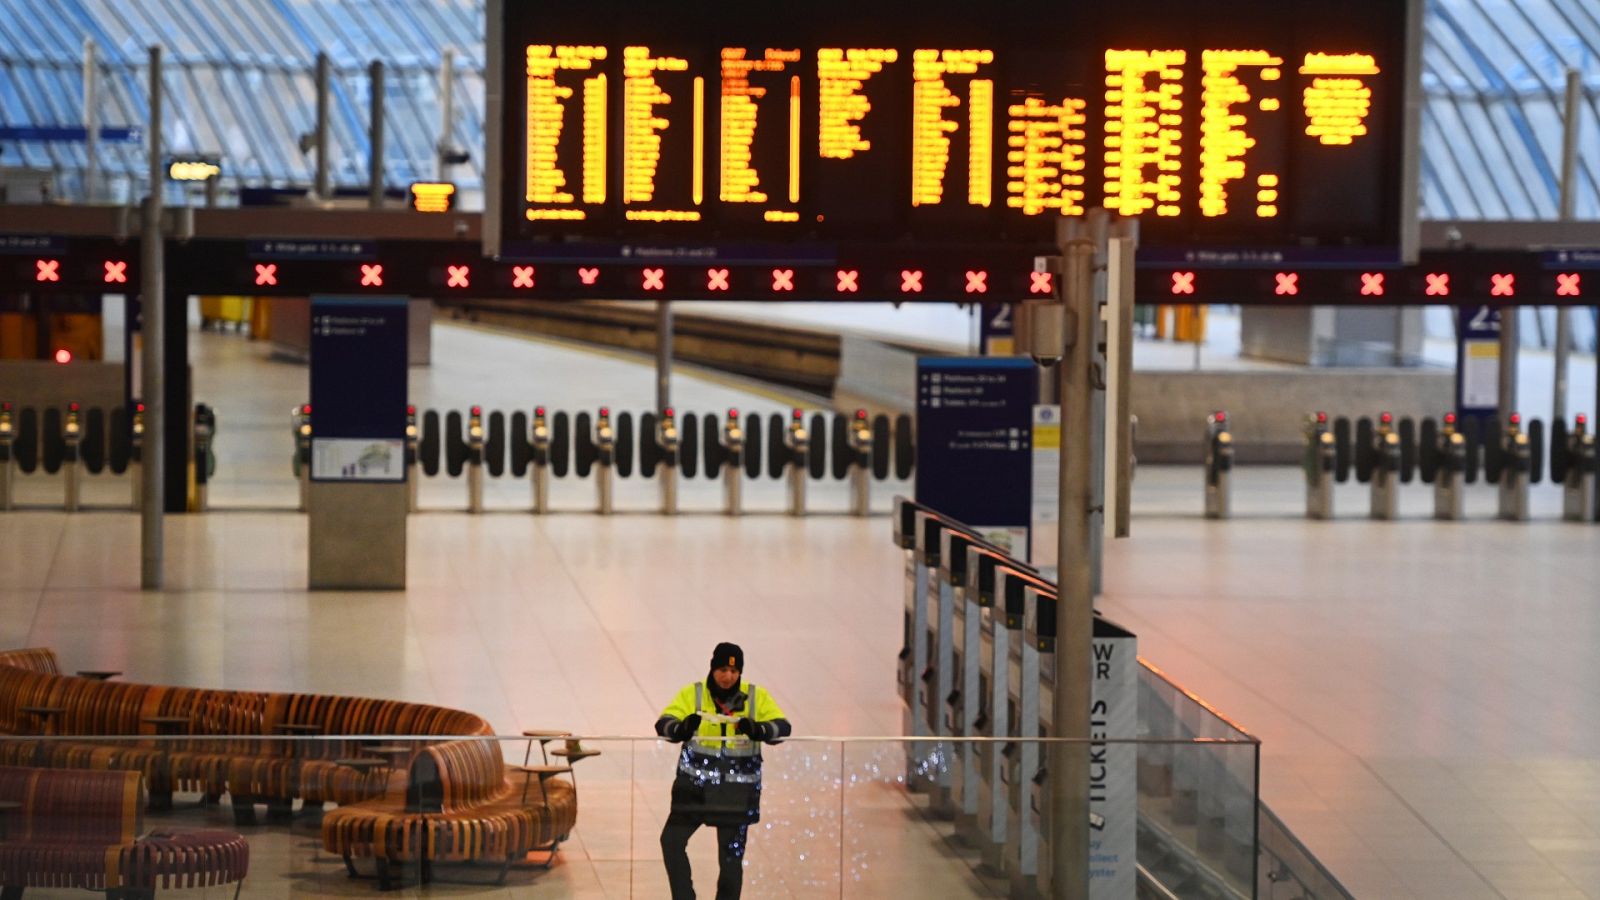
[
  {"x": 375, "y": 135},
  {"x": 1569, "y": 196},
  {"x": 91, "y": 121},
  {"x": 152, "y": 357},
  {"x": 324, "y": 74},
  {"x": 663, "y": 356}
]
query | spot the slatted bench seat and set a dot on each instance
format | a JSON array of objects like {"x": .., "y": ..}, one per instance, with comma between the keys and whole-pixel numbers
[
  {"x": 462, "y": 803},
  {"x": 80, "y": 829}
]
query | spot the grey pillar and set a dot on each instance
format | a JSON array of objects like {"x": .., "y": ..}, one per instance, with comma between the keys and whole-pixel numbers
[
  {"x": 663, "y": 356},
  {"x": 447, "y": 110},
  {"x": 324, "y": 74},
  {"x": 375, "y": 133},
  {"x": 1510, "y": 344},
  {"x": 1569, "y": 196},
  {"x": 152, "y": 356},
  {"x": 91, "y": 121}
]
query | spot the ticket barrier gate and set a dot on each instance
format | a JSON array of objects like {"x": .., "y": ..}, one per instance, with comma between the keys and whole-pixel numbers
[
  {"x": 1516, "y": 465},
  {"x": 1033, "y": 689},
  {"x": 1219, "y": 466},
  {"x": 412, "y": 460},
  {"x": 859, "y": 460},
  {"x": 205, "y": 460},
  {"x": 539, "y": 458},
  {"x": 971, "y": 565},
  {"x": 8, "y": 437},
  {"x": 1000, "y": 641},
  {"x": 732, "y": 463},
  {"x": 1572, "y": 462},
  {"x": 601, "y": 453},
  {"x": 929, "y": 763},
  {"x": 136, "y": 457},
  {"x": 955, "y": 638},
  {"x": 914, "y": 623},
  {"x": 301, "y": 421},
  {"x": 1321, "y": 456},
  {"x": 475, "y": 441},
  {"x": 1446, "y": 463},
  {"x": 71, "y": 436},
  {"x": 1385, "y": 468},
  {"x": 797, "y": 439},
  {"x": 666, "y": 460}
]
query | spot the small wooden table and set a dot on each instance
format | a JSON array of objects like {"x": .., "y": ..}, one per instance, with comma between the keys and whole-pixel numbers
[
  {"x": 544, "y": 773},
  {"x": 395, "y": 753},
  {"x": 98, "y": 674}
]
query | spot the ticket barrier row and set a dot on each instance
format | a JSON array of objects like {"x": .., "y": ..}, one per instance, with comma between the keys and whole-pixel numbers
[
  {"x": 668, "y": 447},
  {"x": 76, "y": 442},
  {"x": 979, "y": 661}
]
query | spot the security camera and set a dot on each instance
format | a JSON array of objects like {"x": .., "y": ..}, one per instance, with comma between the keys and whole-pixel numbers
[{"x": 1044, "y": 328}]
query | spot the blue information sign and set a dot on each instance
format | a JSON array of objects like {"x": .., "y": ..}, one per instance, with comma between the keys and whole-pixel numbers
[
  {"x": 1478, "y": 361},
  {"x": 358, "y": 388},
  {"x": 974, "y": 441}
]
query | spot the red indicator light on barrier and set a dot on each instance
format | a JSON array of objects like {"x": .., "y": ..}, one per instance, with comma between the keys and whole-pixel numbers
[
  {"x": 1503, "y": 285},
  {"x": 861, "y": 414},
  {"x": 1438, "y": 284},
  {"x": 459, "y": 276},
  {"x": 538, "y": 412},
  {"x": 411, "y": 410},
  {"x": 266, "y": 273},
  {"x": 783, "y": 279},
  {"x": 372, "y": 275},
  {"x": 1322, "y": 418},
  {"x": 797, "y": 414},
  {"x": 910, "y": 281},
  {"x": 1220, "y": 416},
  {"x": 1040, "y": 282},
  {"x": 716, "y": 279},
  {"x": 47, "y": 270},
  {"x": 1569, "y": 285},
  {"x": 1372, "y": 284},
  {"x": 1288, "y": 284},
  {"x": 1582, "y": 419},
  {"x": 140, "y": 408},
  {"x": 1449, "y": 418},
  {"x": 588, "y": 275},
  {"x": 668, "y": 412},
  {"x": 654, "y": 279},
  {"x": 63, "y": 356},
  {"x": 522, "y": 276},
  {"x": 733, "y": 413},
  {"x": 1386, "y": 418},
  {"x": 73, "y": 406},
  {"x": 477, "y": 411},
  {"x": 605, "y": 412},
  {"x": 116, "y": 272},
  {"x": 847, "y": 281},
  {"x": 1516, "y": 418},
  {"x": 1182, "y": 283},
  {"x": 304, "y": 410},
  {"x": 978, "y": 282}
]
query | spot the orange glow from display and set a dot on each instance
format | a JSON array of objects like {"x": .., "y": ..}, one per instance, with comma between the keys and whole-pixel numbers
[
  {"x": 1144, "y": 131},
  {"x": 841, "y": 76},
  {"x": 1224, "y": 137},
  {"x": 641, "y": 127},
  {"x": 1338, "y": 101},
  {"x": 741, "y": 183},
  {"x": 432, "y": 196},
  {"x": 547, "y": 100},
  {"x": 1044, "y": 156},
  {"x": 930, "y": 130}
]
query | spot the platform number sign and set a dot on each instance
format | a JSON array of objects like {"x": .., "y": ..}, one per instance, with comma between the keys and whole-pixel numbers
[
  {"x": 997, "y": 330},
  {"x": 1478, "y": 361}
]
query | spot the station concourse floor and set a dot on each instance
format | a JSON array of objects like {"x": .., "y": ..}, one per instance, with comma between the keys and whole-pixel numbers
[{"x": 1426, "y": 693}]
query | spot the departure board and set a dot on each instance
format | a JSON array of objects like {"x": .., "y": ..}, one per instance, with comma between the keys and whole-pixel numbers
[{"x": 1238, "y": 124}]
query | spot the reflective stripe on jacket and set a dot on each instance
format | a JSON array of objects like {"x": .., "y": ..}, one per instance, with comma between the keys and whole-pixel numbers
[{"x": 718, "y": 739}]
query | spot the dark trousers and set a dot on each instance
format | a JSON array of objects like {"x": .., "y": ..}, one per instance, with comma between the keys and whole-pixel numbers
[{"x": 730, "y": 857}]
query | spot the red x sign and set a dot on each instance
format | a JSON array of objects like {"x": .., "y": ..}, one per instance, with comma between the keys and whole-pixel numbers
[
  {"x": 116, "y": 272},
  {"x": 783, "y": 279},
  {"x": 1182, "y": 282},
  {"x": 266, "y": 273},
  {"x": 1040, "y": 282},
  {"x": 48, "y": 270},
  {"x": 716, "y": 279},
  {"x": 522, "y": 276},
  {"x": 589, "y": 275},
  {"x": 372, "y": 276},
  {"x": 1438, "y": 284},
  {"x": 1568, "y": 285},
  {"x": 1372, "y": 284},
  {"x": 1288, "y": 284},
  {"x": 459, "y": 276},
  {"x": 910, "y": 281},
  {"x": 978, "y": 282},
  {"x": 1503, "y": 285},
  {"x": 655, "y": 279},
  {"x": 847, "y": 281}
]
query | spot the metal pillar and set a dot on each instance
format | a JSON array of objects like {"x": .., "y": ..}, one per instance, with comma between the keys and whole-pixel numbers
[
  {"x": 663, "y": 356},
  {"x": 1510, "y": 344},
  {"x": 152, "y": 356},
  {"x": 1069, "y": 794},
  {"x": 1569, "y": 196},
  {"x": 91, "y": 121},
  {"x": 324, "y": 75},
  {"x": 375, "y": 132},
  {"x": 447, "y": 111}
]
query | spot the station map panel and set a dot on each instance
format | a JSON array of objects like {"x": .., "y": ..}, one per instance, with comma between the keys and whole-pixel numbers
[{"x": 1251, "y": 123}]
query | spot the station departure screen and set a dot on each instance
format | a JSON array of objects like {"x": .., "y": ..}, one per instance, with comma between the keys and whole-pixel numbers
[{"x": 1258, "y": 122}]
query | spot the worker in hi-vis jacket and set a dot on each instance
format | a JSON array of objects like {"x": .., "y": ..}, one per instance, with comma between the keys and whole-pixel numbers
[{"x": 722, "y": 723}]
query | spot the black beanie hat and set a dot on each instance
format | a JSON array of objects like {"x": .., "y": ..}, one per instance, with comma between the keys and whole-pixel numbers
[{"x": 727, "y": 654}]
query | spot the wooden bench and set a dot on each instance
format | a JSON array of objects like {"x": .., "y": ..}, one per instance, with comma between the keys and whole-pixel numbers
[
  {"x": 462, "y": 803},
  {"x": 79, "y": 829}
]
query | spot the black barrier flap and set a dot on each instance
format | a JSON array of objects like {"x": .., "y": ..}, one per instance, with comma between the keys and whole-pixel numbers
[
  {"x": 560, "y": 444},
  {"x": 54, "y": 445},
  {"x": 1044, "y": 614},
  {"x": 26, "y": 445},
  {"x": 817, "y": 460},
  {"x": 494, "y": 449},
  {"x": 119, "y": 440},
  {"x": 839, "y": 447},
  {"x": 1535, "y": 451},
  {"x": 1366, "y": 450},
  {"x": 716, "y": 453},
  {"x": 752, "y": 446},
  {"x": 455, "y": 444},
  {"x": 1407, "y": 430},
  {"x": 521, "y": 449},
  {"x": 428, "y": 444},
  {"x": 584, "y": 451},
  {"x": 1428, "y": 450},
  {"x": 1341, "y": 449},
  {"x": 905, "y": 451},
  {"x": 623, "y": 456},
  {"x": 1559, "y": 458},
  {"x": 649, "y": 450},
  {"x": 1013, "y": 602},
  {"x": 953, "y": 555},
  {"x": 882, "y": 447},
  {"x": 1494, "y": 456},
  {"x": 905, "y": 522},
  {"x": 92, "y": 449},
  {"x": 777, "y": 449},
  {"x": 689, "y": 444},
  {"x": 1472, "y": 437}
]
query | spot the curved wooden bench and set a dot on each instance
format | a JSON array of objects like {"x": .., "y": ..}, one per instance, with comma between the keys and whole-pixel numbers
[
  {"x": 459, "y": 806},
  {"x": 33, "y": 659},
  {"x": 81, "y": 829}
]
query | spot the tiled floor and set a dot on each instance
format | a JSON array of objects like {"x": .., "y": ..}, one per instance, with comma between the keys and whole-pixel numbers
[{"x": 1426, "y": 692}]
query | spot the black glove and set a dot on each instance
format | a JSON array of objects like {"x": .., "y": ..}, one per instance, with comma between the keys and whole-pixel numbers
[
  {"x": 756, "y": 731},
  {"x": 688, "y": 727}
]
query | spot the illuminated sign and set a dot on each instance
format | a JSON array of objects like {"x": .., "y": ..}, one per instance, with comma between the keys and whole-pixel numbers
[
  {"x": 193, "y": 169},
  {"x": 1239, "y": 125},
  {"x": 432, "y": 197}
]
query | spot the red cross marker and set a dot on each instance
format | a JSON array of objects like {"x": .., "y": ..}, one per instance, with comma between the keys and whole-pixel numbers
[
  {"x": 910, "y": 281},
  {"x": 459, "y": 276},
  {"x": 716, "y": 279},
  {"x": 655, "y": 279},
  {"x": 783, "y": 279},
  {"x": 978, "y": 282},
  {"x": 847, "y": 281},
  {"x": 372, "y": 276},
  {"x": 1182, "y": 282},
  {"x": 1040, "y": 282},
  {"x": 589, "y": 275},
  {"x": 1503, "y": 285},
  {"x": 1438, "y": 284},
  {"x": 48, "y": 270},
  {"x": 116, "y": 272},
  {"x": 522, "y": 276},
  {"x": 1569, "y": 285},
  {"x": 1288, "y": 284},
  {"x": 266, "y": 273},
  {"x": 1372, "y": 284}
]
